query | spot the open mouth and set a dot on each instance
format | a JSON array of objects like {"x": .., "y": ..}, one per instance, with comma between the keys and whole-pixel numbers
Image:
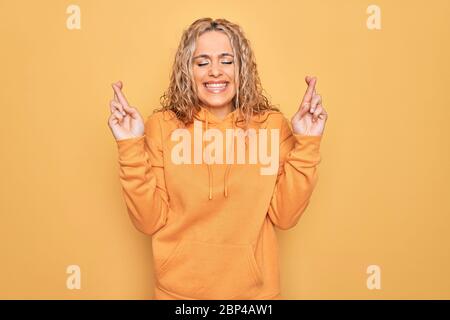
[{"x": 217, "y": 87}]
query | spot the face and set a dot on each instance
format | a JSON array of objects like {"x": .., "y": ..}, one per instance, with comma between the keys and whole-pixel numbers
[{"x": 213, "y": 69}]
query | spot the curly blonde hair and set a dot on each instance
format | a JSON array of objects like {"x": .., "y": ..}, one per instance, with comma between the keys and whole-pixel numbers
[{"x": 181, "y": 96}]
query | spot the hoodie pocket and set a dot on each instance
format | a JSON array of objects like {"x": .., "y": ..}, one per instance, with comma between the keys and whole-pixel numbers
[{"x": 202, "y": 270}]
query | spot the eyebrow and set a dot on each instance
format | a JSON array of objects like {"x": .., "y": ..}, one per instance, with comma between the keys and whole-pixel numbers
[{"x": 207, "y": 56}]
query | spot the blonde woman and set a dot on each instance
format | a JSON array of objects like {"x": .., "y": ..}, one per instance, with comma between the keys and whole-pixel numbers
[{"x": 198, "y": 177}]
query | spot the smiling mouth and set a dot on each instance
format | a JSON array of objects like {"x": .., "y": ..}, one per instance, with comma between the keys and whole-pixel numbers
[{"x": 216, "y": 87}]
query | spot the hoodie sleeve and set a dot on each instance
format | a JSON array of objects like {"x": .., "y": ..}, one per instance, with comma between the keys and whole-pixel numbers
[
  {"x": 141, "y": 173},
  {"x": 297, "y": 176}
]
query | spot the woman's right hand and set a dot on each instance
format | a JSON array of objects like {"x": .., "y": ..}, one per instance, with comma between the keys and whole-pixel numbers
[{"x": 125, "y": 122}]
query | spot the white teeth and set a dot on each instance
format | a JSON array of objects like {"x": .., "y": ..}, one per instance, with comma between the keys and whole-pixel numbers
[{"x": 216, "y": 85}]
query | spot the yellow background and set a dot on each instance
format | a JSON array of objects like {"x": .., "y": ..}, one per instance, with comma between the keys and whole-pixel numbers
[{"x": 383, "y": 192}]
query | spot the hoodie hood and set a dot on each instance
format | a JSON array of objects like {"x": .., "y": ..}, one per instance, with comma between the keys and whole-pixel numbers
[{"x": 230, "y": 121}]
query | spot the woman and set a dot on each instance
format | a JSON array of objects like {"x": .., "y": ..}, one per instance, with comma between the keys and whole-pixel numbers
[{"x": 212, "y": 220}]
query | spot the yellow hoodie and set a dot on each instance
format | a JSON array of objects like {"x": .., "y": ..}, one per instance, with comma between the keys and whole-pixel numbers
[{"x": 212, "y": 225}]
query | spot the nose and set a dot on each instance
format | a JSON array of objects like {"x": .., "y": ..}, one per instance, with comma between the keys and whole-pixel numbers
[{"x": 215, "y": 69}]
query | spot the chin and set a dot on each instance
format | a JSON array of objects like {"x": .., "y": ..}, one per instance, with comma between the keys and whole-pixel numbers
[{"x": 216, "y": 103}]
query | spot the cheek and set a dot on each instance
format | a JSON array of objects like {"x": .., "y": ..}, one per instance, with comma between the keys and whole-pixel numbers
[
  {"x": 231, "y": 75},
  {"x": 233, "y": 87},
  {"x": 198, "y": 76}
]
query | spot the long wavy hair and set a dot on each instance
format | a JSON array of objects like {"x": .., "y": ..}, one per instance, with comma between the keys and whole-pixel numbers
[{"x": 181, "y": 96}]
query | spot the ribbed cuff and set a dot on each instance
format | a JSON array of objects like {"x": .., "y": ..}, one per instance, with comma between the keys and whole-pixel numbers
[
  {"x": 302, "y": 139},
  {"x": 131, "y": 148},
  {"x": 308, "y": 146}
]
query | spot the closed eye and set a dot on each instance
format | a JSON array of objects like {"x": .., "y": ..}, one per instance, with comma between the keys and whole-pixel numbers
[{"x": 224, "y": 62}]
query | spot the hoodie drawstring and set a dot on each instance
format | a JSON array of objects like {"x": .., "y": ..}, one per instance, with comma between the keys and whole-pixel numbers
[
  {"x": 225, "y": 183},
  {"x": 227, "y": 170},
  {"x": 205, "y": 113},
  {"x": 210, "y": 177}
]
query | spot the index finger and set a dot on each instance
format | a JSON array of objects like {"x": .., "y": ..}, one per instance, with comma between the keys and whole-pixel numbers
[
  {"x": 120, "y": 95},
  {"x": 309, "y": 91}
]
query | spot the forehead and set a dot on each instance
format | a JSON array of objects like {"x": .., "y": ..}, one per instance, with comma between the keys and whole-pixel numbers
[{"x": 212, "y": 43}]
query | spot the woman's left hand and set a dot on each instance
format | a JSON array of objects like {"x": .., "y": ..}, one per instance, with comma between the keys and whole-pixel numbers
[{"x": 311, "y": 116}]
